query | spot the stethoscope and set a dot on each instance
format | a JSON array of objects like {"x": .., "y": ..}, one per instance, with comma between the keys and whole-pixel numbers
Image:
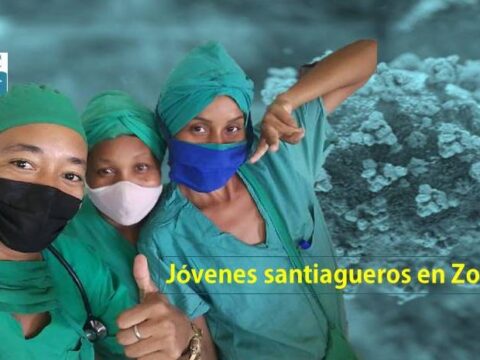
[{"x": 94, "y": 329}]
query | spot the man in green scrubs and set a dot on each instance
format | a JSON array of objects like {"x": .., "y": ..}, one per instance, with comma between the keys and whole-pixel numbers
[
  {"x": 42, "y": 168},
  {"x": 42, "y": 313},
  {"x": 263, "y": 216}
]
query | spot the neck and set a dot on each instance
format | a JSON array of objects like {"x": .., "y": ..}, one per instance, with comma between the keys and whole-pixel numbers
[
  {"x": 12, "y": 255},
  {"x": 225, "y": 194},
  {"x": 129, "y": 232}
]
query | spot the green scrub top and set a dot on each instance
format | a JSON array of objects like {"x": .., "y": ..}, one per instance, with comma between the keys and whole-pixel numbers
[
  {"x": 63, "y": 337},
  {"x": 91, "y": 228},
  {"x": 107, "y": 275},
  {"x": 256, "y": 321}
]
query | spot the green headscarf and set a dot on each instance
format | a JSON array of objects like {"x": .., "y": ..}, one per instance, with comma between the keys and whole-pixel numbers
[
  {"x": 206, "y": 71},
  {"x": 36, "y": 104},
  {"x": 114, "y": 113}
]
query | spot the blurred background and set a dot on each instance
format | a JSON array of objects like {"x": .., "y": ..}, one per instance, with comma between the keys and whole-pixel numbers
[
  {"x": 86, "y": 47},
  {"x": 431, "y": 149}
]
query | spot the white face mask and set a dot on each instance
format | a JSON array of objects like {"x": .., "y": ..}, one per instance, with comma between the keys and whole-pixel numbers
[{"x": 124, "y": 202}]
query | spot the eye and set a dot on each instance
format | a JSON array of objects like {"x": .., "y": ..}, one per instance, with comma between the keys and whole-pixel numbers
[
  {"x": 233, "y": 129},
  {"x": 105, "y": 171},
  {"x": 22, "y": 164},
  {"x": 142, "y": 167},
  {"x": 73, "y": 177},
  {"x": 198, "y": 129}
]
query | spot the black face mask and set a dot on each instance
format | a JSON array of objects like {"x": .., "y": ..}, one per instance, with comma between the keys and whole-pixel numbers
[{"x": 32, "y": 215}]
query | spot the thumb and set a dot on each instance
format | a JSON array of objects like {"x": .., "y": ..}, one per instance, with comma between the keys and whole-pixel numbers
[{"x": 141, "y": 273}]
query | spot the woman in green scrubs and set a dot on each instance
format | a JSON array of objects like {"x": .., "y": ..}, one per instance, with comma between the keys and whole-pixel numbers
[
  {"x": 123, "y": 184},
  {"x": 123, "y": 179},
  {"x": 221, "y": 212}
]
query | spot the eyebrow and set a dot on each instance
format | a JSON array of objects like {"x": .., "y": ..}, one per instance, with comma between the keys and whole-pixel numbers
[
  {"x": 77, "y": 161},
  {"x": 204, "y": 119},
  {"x": 36, "y": 150},
  {"x": 23, "y": 148},
  {"x": 142, "y": 153}
]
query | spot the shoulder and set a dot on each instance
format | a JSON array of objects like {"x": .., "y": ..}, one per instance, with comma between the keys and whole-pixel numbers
[
  {"x": 82, "y": 221},
  {"x": 166, "y": 211},
  {"x": 312, "y": 109},
  {"x": 160, "y": 224},
  {"x": 89, "y": 268},
  {"x": 88, "y": 227}
]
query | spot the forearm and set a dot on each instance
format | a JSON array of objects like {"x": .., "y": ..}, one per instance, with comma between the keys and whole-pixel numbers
[{"x": 348, "y": 66}]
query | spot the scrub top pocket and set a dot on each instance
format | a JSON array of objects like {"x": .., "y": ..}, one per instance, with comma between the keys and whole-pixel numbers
[{"x": 82, "y": 352}]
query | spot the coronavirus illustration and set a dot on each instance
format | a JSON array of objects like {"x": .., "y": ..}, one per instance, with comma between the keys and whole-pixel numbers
[{"x": 401, "y": 178}]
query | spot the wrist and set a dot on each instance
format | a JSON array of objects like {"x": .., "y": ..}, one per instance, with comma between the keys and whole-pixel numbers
[
  {"x": 194, "y": 347},
  {"x": 286, "y": 101}
]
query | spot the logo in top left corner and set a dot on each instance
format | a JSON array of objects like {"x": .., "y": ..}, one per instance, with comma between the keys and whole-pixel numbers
[{"x": 3, "y": 73}]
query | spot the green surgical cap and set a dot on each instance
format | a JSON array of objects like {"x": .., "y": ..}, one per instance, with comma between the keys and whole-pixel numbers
[
  {"x": 206, "y": 72},
  {"x": 35, "y": 104},
  {"x": 114, "y": 113}
]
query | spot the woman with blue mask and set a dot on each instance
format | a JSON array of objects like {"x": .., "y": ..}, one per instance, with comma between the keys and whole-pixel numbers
[{"x": 222, "y": 212}]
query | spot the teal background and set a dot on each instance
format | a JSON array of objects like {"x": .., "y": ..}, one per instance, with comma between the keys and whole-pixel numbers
[{"x": 401, "y": 184}]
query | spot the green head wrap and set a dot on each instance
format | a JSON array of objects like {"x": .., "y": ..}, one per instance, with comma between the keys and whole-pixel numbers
[
  {"x": 206, "y": 72},
  {"x": 36, "y": 104},
  {"x": 114, "y": 113}
]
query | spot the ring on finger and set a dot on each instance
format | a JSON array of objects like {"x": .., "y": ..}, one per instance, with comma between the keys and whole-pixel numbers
[{"x": 136, "y": 332}]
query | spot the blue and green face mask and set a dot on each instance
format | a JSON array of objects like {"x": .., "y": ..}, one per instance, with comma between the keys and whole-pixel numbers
[{"x": 205, "y": 167}]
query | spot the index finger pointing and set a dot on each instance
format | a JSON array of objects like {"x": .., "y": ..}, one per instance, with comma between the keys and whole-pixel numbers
[{"x": 261, "y": 150}]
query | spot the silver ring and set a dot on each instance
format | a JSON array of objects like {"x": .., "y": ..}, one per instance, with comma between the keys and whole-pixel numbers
[{"x": 137, "y": 333}]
